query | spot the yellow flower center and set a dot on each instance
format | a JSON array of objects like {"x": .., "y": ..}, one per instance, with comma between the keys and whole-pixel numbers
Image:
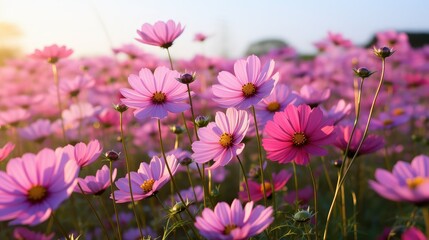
[
  {"x": 147, "y": 185},
  {"x": 415, "y": 182},
  {"x": 267, "y": 187},
  {"x": 299, "y": 139},
  {"x": 225, "y": 140},
  {"x": 273, "y": 107},
  {"x": 229, "y": 228},
  {"x": 249, "y": 89},
  {"x": 398, "y": 111},
  {"x": 36, "y": 193},
  {"x": 158, "y": 97}
]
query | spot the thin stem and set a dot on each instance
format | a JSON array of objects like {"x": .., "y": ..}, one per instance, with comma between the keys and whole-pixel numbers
[
  {"x": 114, "y": 201},
  {"x": 106, "y": 212},
  {"x": 313, "y": 180},
  {"x": 258, "y": 138},
  {"x": 169, "y": 171},
  {"x": 169, "y": 58},
  {"x": 188, "y": 170},
  {"x": 60, "y": 226},
  {"x": 124, "y": 146},
  {"x": 60, "y": 105},
  {"x": 295, "y": 175},
  {"x": 343, "y": 213},
  {"x": 187, "y": 130},
  {"x": 425, "y": 211},
  {"x": 328, "y": 178},
  {"x": 94, "y": 211},
  {"x": 355, "y": 228},
  {"x": 192, "y": 111},
  {"x": 245, "y": 178}
]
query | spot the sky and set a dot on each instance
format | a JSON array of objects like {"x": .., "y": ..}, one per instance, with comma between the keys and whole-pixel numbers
[{"x": 92, "y": 27}]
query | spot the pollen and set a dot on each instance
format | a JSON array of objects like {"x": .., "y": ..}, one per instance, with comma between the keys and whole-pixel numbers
[
  {"x": 415, "y": 182},
  {"x": 249, "y": 90},
  {"x": 147, "y": 185},
  {"x": 36, "y": 193},
  {"x": 267, "y": 186},
  {"x": 273, "y": 107},
  {"x": 299, "y": 139},
  {"x": 228, "y": 229},
  {"x": 226, "y": 140},
  {"x": 159, "y": 98},
  {"x": 398, "y": 111}
]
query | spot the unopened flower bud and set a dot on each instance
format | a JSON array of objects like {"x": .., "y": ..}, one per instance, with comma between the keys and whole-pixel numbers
[
  {"x": 112, "y": 155},
  {"x": 185, "y": 161},
  {"x": 215, "y": 192},
  {"x": 202, "y": 121},
  {"x": 337, "y": 163},
  {"x": 383, "y": 52},
  {"x": 362, "y": 72},
  {"x": 177, "y": 208},
  {"x": 186, "y": 78},
  {"x": 303, "y": 215},
  {"x": 120, "y": 107},
  {"x": 177, "y": 129}
]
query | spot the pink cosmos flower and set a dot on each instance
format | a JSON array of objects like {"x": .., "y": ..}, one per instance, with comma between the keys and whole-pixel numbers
[
  {"x": 52, "y": 53},
  {"x": 305, "y": 195},
  {"x": 200, "y": 37},
  {"x": 234, "y": 222},
  {"x": 338, "y": 112},
  {"x": 413, "y": 233},
  {"x": 407, "y": 182},
  {"x": 35, "y": 185},
  {"x": 275, "y": 102},
  {"x": 161, "y": 34},
  {"x": 84, "y": 154},
  {"x": 248, "y": 86},
  {"x": 73, "y": 87},
  {"x": 296, "y": 133},
  {"x": 24, "y": 233},
  {"x": 147, "y": 181},
  {"x": 13, "y": 116},
  {"x": 154, "y": 95},
  {"x": 313, "y": 97},
  {"x": 6, "y": 150},
  {"x": 36, "y": 131},
  {"x": 256, "y": 189},
  {"x": 371, "y": 144},
  {"x": 221, "y": 140},
  {"x": 96, "y": 184}
]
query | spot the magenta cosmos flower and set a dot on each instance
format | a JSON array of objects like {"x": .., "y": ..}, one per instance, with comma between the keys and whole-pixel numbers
[
  {"x": 147, "y": 180},
  {"x": 52, "y": 53},
  {"x": 249, "y": 84},
  {"x": 234, "y": 222},
  {"x": 154, "y": 95},
  {"x": 371, "y": 144},
  {"x": 161, "y": 34},
  {"x": 221, "y": 140},
  {"x": 84, "y": 154},
  {"x": 24, "y": 233},
  {"x": 6, "y": 150},
  {"x": 296, "y": 133},
  {"x": 95, "y": 184},
  {"x": 256, "y": 189},
  {"x": 407, "y": 183},
  {"x": 35, "y": 185}
]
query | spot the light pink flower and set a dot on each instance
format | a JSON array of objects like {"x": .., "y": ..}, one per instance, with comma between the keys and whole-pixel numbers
[
  {"x": 14, "y": 116},
  {"x": 221, "y": 140},
  {"x": 52, "y": 53},
  {"x": 234, "y": 222},
  {"x": 200, "y": 37},
  {"x": 36, "y": 131},
  {"x": 147, "y": 181},
  {"x": 84, "y": 154},
  {"x": 249, "y": 84},
  {"x": 154, "y": 95},
  {"x": 296, "y": 133},
  {"x": 161, "y": 34},
  {"x": 96, "y": 184},
  {"x": 6, "y": 150},
  {"x": 35, "y": 185},
  {"x": 371, "y": 144},
  {"x": 313, "y": 97}
]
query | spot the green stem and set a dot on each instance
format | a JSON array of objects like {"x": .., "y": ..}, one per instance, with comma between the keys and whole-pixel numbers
[
  {"x": 60, "y": 226},
  {"x": 328, "y": 178},
  {"x": 60, "y": 105},
  {"x": 295, "y": 175},
  {"x": 245, "y": 178},
  {"x": 106, "y": 212},
  {"x": 258, "y": 138},
  {"x": 425, "y": 211},
  {"x": 94, "y": 211},
  {"x": 169, "y": 58},
  {"x": 188, "y": 170},
  {"x": 313, "y": 180},
  {"x": 192, "y": 112},
  {"x": 124, "y": 146},
  {"x": 114, "y": 201}
]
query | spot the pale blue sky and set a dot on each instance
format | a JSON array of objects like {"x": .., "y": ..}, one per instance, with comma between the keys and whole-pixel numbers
[{"x": 232, "y": 24}]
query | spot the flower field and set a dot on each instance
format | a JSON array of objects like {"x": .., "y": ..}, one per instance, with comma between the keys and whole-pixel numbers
[{"x": 272, "y": 146}]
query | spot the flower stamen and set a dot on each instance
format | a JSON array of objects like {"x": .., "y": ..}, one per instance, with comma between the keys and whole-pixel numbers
[
  {"x": 36, "y": 194},
  {"x": 226, "y": 140},
  {"x": 273, "y": 107},
  {"x": 249, "y": 90},
  {"x": 158, "y": 97},
  {"x": 299, "y": 139},
  {"x": 147, "y": 185}
]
